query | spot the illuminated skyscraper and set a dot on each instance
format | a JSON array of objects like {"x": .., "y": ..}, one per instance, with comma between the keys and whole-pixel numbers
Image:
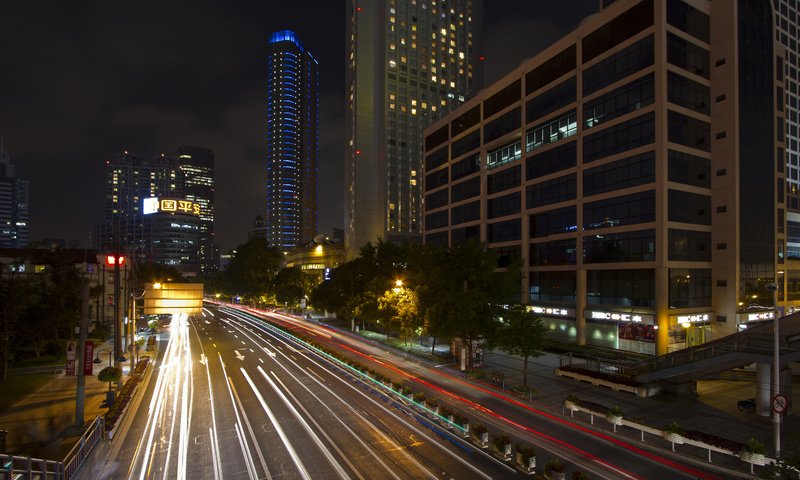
[
  {"x": 292, "y": 141},
  {"x": 409, "y": 62},
  {"x": 13, "y": 206},
  {"x": 197, "y": 167}
]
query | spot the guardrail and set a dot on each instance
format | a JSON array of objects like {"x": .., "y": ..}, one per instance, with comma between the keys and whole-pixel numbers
[{"x": 13, "y": 466}]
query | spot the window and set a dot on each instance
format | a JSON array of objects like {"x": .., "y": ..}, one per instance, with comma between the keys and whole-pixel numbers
[
  {"x": 503, "y": 231},
  {"x": 622, "y": 64},
  {"x": 463, "y": 168},
  {"x": 688, "y": 19},
  {"x": 548, "y": 102},
  {"x": 506, "y": 255},
  {"x": 687, "y": 207},
  {"x": 467, "y": 189},
  {"x": 436, "y": 239},
  {"x": 550, "y": 161},
  {"x": 439, "y": 157},
  {"x": 503, "y": 155},
  {"x": 618, "y": 30},
  {"x": 550, "y": 70},
  {"x": 635, "y": 170},
  {"x": 552, "y": 191},
  {"x": 688, "y": 131},
  {"x": 500, "y": 100},
  {"x": 689, "y": 245},
  {"x": 508, "y": 122},
  {"x": 553, "y": 222},
  {"x": 466, "y": 213},
  {"x": 466, "y": 120},
  {"x": 469, "y": 142},
  {"x": 436, "y": 200},
  {"x": 436, "y": 220},
  {"x": 687, "y": 55},
  {"x": 552, "y": 287},
  {"x": 436, "y": 138},
  {"x": 508, "y": 178},
  {"x": 435, "y": 179},
  {"x": 689, "y": 169},
  {"x": 626, "y": 99},
  {"x": 688, "y": 93},
  {"x": 625, "y": 210},
  {"x": 628, "y": 135},
  {"x": 502, "y": 206},
  {"x": 561, "y": 252},
  {"x": 689, "y": 287},
  {"x": 638, "y": 246},
  {"x": 552, "y": 131},
  {"x": 628, "y": 288},
  {"x": 461, "y": 235}
]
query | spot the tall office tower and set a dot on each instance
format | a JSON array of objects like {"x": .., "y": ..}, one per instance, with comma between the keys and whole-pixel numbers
[
  {"x": 635, "y": 167},
  {"x": 409, "y": 62},
  {"x": 14, "y": 228},
  {"x": 292, "y": 141},
  {"x": 197, "y": 167}
]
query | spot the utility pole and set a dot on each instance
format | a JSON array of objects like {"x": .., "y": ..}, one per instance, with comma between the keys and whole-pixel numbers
[
  {"x": 81, "y": 355},
  {"x": 117, "y": 326},
  {"x": 776, "y": 372}
]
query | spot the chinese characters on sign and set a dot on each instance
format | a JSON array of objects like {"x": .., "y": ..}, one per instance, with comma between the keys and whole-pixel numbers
[{"x": 170, "y": 205}]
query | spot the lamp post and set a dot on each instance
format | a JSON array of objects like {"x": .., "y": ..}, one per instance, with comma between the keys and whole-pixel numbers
[
  {"x": 110, "y": 394},
  {"x": 97, "y": 356},
  {"x": 776, "y": 372}
]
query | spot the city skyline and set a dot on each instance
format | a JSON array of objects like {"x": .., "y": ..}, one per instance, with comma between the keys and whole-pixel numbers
[{"x": 153, "y": 77}]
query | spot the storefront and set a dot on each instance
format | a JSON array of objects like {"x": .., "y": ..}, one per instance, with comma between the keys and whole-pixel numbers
[
  {"x": 689, "y": 329},
  {"x": 634, "y": 332},
  {"x": 560, "y": 322},
  {"x": 742, "y": 319}
]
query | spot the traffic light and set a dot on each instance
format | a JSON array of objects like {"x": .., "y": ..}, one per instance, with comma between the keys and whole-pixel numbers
[{"x": 112, "y": 260}]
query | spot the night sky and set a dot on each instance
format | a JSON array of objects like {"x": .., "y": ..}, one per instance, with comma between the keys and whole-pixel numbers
[{"x": 83, "y": 80}]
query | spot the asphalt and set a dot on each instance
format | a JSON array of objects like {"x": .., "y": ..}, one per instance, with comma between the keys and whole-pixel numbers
[{"x": 42, "y": 423}]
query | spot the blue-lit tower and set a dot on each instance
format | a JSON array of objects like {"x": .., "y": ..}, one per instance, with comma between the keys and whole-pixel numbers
[{"x": 292, "y": 141}]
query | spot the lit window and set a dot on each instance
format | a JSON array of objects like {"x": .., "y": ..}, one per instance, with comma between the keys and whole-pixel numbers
[{"x": 392, "y": 64}]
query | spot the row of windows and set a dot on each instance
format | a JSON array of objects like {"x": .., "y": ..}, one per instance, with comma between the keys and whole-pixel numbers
[
  {"x": 689, "y": 19},
  {"x": 560, "y": 252},
  {"x": 625, "y": 210},
  {"x": 638, "y": 246},
  {"x": 689, "y": 245},
  {"x": 689, "y": 287},
  {"x": 468, "y": 166},
  {"x": 688, "y": 131},
  {"x": 689, "y": 169},
  {"x": 554, "y": 160},
  {"x": 629, "y": 288},
  {"x": 552, "y": 131},
  {"x": 507, "y": 231},
  {"x": 503, "y": 180},
  {"x": 627, "y": 172},
  {"x": 628, "y": 135},
  {"x": 508, "y": 122},
  {"x": 505, "y": 205},
  {"x": 466, "y": 189},
  {"x": 552, "y": 191},
  {"x": 626, "y": 62},
  {"x": 688, "y": 93},
  {"x": 623, "y": 100},
  {"x": 503, "y": 155},
  {"x": 687, "y": 55},
  {"x": 553, "y": 99}
]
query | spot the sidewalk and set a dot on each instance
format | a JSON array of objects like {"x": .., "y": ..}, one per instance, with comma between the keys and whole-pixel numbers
[{"x": 40, "y": 424}]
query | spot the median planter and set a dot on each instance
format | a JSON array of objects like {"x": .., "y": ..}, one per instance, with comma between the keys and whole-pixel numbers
[
  {"x": 614, "y": 416},
  {"x": 554, "y": 470},
  {"x": 481, "y": 435},
  {"x": 673, "y": 434},
  {"x": 526, "y": 458},
  {"x": 571, "y": 403},
  {"x": 462, "y": 423},
  {"x": 502, "y": 445},
  {"x": 753, "y": 453}
]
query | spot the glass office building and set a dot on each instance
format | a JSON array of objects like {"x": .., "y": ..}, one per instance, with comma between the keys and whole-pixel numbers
[
  {"x": 635, "y": 167},
  {"x": 292, "y": 141}
]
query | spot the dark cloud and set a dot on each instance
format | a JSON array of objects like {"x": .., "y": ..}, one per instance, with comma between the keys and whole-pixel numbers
[{"x": 83, "y": 80}]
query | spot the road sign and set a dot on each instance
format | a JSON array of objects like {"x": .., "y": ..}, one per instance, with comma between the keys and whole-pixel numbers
[
  {"x": 88, "y": 357},
  {"x": 780, "y": 403}
]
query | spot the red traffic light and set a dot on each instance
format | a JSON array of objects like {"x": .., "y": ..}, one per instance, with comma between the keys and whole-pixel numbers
[{"x": 113, "y": 259}]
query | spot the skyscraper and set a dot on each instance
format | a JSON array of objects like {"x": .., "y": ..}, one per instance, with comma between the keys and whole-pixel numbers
[
  {"x": 409, "y": 61},
  {"x": 196, "y": 165},
  {"x": 292, "y": 141},
  {"x": 14, "y": 228}
]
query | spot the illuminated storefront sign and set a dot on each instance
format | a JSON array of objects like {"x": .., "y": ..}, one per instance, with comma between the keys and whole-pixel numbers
[
  {"x": 760, "y": 316},
  {"x": 169, "y": 205},
  {"x": 556, "y": 312},
  {"x": 694, "y": 318},
  {"x": 619, "y": 316}
]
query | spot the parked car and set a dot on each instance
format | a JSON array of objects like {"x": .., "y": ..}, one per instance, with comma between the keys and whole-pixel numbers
[{"x": 747, "y": 405}]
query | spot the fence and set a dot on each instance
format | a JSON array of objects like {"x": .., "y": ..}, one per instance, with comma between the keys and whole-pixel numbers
[{"x": 13, "y": 467}]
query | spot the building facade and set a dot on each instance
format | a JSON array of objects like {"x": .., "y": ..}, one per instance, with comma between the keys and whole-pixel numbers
[
  {"x": 292, "y": 141},
  {"x": 635, "y": 167},
  {"x": 196, "y": 165},
  {"x": 14, "y": 216},
  {"x": 409, "y": 61}
]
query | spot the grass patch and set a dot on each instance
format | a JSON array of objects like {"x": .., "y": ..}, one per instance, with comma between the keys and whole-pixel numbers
[{"x": 17, "y": 386}]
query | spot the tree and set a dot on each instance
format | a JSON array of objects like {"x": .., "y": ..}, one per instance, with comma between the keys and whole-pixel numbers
[
  {"x": 520, "y": 332},
  {"x": 291, "y": 285},
  {"x": 400, "y": 302},
  {"x": 252, "y": 271},
  {"x": 465, "y": 290},
  {"x": 17, "y": 297}
]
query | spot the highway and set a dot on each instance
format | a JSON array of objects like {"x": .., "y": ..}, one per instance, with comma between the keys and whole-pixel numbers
[
  {"x": 599, "y": 454},
  {"x": 231, "y": 399}
]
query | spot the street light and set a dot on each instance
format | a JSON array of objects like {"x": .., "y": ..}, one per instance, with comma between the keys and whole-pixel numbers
[
  {"x": 776, "y": 373},
  {"x": 97, "y": 356}
]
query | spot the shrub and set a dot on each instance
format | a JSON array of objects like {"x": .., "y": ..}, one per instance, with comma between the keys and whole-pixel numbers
[
  {"x": 754, "y": 446},
  {"x": 614, "y": 411},
  {"x": 419, "y": 397},
  {"x": 554, "y": 465},
  {"x": 720, "y": 442},
  {"x": 501, "y": 441},
  {"x": 525, "y": 450},
  {"x": 573, "y": 398},
  {"x": 459, "y": 419},
  {"x": 479, "y": 428},
  {"x": 109, "y": 374},
  {"x": 674, "y": 428},
  {"x": 579, "y": 476}
]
